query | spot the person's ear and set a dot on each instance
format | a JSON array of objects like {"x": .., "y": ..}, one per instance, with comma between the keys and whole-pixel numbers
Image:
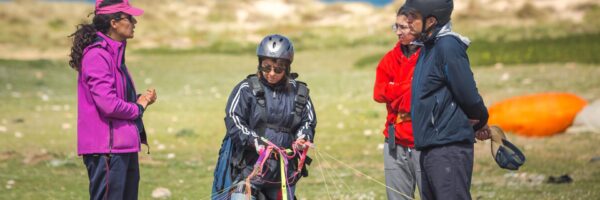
[
  {"x": 430, "y": 22},
  {"x": 113, "y": 23}
]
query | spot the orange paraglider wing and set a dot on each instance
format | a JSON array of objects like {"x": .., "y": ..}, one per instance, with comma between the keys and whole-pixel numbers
[{"x": 537, "y": 115}]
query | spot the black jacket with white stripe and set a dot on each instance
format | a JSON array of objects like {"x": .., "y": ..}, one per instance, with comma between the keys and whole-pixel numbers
[{"x": 243, "y": 118}]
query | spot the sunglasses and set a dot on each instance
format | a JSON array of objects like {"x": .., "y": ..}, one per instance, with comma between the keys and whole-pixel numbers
[
  {"x": 267, "y": 69},
  {"x": 128, "y": 17}
]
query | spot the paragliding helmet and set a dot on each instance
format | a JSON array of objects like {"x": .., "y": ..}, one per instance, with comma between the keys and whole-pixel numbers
[
  {"x": 276, "y": 46},
  {"x": 440, "y": 9}
]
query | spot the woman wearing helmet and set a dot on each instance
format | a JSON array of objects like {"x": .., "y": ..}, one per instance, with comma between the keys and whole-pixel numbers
[
  {"x": 266, "y": 111},
  {"x": 447, "y": 111},
  {"x": 109, "y": 120},
  {"x": 392, "y": 87}
]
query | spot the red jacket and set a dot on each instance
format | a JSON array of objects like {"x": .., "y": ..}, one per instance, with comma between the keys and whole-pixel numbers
[{"x": 393, "y": 87}]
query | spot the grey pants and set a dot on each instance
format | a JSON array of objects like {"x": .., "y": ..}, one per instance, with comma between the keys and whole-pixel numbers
[
  {"x": 447, "y": 171},
  {"x": 402, "y": 172}
]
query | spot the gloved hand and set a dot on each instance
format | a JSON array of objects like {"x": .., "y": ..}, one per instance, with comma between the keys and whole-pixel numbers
[
  {"x": 300, "y": 144},
  {"x": 259, "y": 147}
]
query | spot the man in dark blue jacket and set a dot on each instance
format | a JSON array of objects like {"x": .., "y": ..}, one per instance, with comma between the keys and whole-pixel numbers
[{"x": 447, "y": 111}]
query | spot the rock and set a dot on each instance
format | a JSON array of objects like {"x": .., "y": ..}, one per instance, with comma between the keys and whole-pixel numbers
[
  {"x": 340, "y": 125},
  {"x": 367, "y": 132},
  {"x": 10, "y": 184},
  {"x": 161, "y": 193},
  {"x": 505, "y": 76},
  {"x": 170, "y": 156},
  {"x": 527, "y": 179},
  {"x": 66, "y": 126}
]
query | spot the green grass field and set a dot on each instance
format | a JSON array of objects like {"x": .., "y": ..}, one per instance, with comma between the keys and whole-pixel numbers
[{"x": 38, "y": 127}]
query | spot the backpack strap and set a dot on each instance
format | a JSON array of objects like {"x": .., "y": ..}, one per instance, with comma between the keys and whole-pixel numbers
[
  {"x": 299, "y": 102},
  {"x": 259, "y": 92}
]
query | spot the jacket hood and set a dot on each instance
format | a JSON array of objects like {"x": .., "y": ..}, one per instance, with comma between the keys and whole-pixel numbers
[{"x": 447, "y": 30}]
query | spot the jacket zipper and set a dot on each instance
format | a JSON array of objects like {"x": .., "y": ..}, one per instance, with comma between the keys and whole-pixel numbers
[
  {"x": 120, "y": 70},
  {"x": 110, "y": 138},
  {"x": 433, "y": 112},
  {"x": 433, "y": 115}
]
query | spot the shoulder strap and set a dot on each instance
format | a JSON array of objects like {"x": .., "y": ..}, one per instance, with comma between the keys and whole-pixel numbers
[
  {"x": 259, "y": 92},
  {"x": 300, "y": 102},
  {"x": 257, "y": 89}
]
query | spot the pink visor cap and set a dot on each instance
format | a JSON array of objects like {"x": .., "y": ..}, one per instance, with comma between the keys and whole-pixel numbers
[{"x": 120, "y": 7}]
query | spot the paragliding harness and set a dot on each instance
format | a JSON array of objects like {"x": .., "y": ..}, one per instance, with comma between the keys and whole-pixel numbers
[
  {"x": 299, "y": 104},
  {"x": 231, "y": 160},
  {"x": 284, "y": 156}
]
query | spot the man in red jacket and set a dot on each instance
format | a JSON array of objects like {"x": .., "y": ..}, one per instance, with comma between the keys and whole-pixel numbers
[{"x": 393, "y": 87}]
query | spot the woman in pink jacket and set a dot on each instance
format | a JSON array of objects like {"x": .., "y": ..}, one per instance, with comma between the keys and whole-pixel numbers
[{"x": 109, "y": 121}]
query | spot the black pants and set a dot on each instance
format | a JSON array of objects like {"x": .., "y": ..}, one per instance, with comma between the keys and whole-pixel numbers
[
  {"x": 114, "y": 176},
  {"x": 446, "y": 171}
]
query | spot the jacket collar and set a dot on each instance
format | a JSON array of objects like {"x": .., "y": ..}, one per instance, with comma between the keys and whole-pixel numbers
[
  {"x": 109, "y": 42},
  {"x": 399, "y": 54}
]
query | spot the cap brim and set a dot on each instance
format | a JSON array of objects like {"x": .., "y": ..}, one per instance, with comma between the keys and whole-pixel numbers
[{"x": 134, "y": 11}]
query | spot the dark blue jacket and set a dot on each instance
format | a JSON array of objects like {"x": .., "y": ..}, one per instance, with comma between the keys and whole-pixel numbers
[{"x": 444, "y": 94}]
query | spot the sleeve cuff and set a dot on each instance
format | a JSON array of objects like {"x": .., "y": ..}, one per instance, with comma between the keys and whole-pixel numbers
[
  {"x": 302, "y": 135},
  {"x": 141, "y": 108}
]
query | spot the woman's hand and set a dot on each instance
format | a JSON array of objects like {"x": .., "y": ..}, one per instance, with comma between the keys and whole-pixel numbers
[
  {"x": 151, "y": 95},
  {"x": 143, "y": 101},
  {"x": 147, "y": 99}
]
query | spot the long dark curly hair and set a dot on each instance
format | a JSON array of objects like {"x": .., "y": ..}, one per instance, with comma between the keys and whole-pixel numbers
[{"x": 86, "y": 33}]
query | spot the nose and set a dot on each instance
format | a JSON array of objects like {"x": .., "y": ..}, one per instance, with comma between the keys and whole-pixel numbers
[
  {"x": 133, "y": 20},
  {"x": 272, "y": 72},
  {"x": 398, "y": 32}
]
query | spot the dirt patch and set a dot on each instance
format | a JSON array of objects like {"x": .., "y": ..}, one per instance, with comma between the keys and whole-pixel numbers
[
  {"x": 6, "y": 155},
  {"x": 34, "y": 159}
]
